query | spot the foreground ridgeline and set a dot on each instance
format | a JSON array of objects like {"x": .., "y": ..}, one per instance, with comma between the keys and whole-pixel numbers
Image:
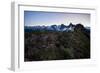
[{"x": 56, "y": 42}]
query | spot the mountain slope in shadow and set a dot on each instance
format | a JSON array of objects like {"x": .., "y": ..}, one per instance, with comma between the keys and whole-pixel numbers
[{"x": 57, "y": 45}]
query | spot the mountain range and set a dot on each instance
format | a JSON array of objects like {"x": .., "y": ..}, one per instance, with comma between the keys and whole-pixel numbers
[
  {"x": 56, "y": 42},
  {"x": 62, "y": 27}
]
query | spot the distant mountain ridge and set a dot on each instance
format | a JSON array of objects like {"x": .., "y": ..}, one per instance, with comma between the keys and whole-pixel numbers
[{"x": 62, "y": 27}]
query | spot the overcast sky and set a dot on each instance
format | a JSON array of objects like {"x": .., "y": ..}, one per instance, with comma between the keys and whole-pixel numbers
[{"x": 32, "y": 18}]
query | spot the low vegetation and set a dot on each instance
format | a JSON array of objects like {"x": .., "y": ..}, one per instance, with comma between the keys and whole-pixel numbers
[{"x": 57, "y": 45}]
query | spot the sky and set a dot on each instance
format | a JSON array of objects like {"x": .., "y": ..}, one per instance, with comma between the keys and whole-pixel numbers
[{"x": 34, "y": 18}]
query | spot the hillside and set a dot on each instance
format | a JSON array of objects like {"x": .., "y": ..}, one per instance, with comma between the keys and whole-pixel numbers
[{"x": 57, "y": 45}]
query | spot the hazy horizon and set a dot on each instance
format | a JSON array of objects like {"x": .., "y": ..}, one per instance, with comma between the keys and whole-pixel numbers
[{"x": 39, "y": 18}]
